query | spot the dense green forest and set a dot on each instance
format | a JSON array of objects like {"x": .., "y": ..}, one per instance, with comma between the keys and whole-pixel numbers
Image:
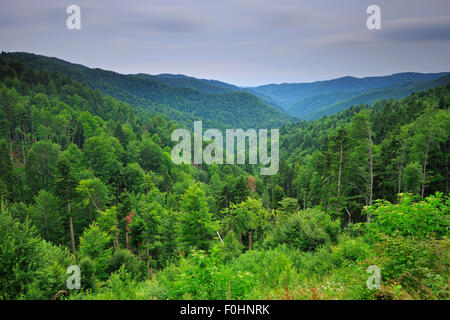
[
  {"x": 324, "y": 105},
  {"x": 311, "y": 101},
  {"x": 87, "y": 179},
  {"x": 218, "y": 109}
]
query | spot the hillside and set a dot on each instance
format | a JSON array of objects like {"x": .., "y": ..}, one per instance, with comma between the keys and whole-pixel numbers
[
  {"x": 324, "y": 105},
  {"x": 312, "y": 100},
  {"x": 182, "y": 81},
  {"x": 88, "y": 180},
  {"x": 235, "y": 109}
]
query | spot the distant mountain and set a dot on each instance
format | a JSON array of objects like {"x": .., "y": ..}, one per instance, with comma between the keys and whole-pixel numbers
[
  {"x": 182, "y": 81},
  {"x": 312, "y": 100},
  {"x": 219, "y": 104},
  {"x": 166, "y": 94},
  {"x": 318, "y": 106}
]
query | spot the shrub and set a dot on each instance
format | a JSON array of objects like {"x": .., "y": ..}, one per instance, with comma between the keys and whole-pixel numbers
[
  {"x": 305, "y": 231},
  {"x": 131, "y": 263},
  {"x": 425, "y": 219}
]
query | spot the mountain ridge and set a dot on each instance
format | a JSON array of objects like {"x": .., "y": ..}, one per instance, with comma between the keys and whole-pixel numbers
[
  {"x": 220, "y": 104},
  {"x": 236, "y": 109}
]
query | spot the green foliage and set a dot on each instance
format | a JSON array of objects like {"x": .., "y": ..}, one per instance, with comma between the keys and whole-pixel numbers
[
  {"x": 30, "y": 268},
  {"x": 148, "y": 229},
  {"x": 237, "y": 109},
  {"x": 203, "y": 276},
  {"x": 41, "y": 166},
  {"x": 9, "y": 186},
  {"x": 94, "y": 244},
  {"x": 132, "y": 265},
  {"x": 102, "y": 154},
  {"x": 196, "y": 227},
  {"x": 423, "y": 219},
  {"x": 414, "y": 268},
  {"x": 305, "y": 231},
  {"x": 46, "y": 216}
]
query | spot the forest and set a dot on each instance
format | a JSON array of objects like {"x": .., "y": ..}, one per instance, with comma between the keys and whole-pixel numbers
[{"x": 87, "y": 179}]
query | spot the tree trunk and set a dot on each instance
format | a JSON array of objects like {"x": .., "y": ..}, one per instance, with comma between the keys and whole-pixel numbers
[
  {"x": 424, "y": 172},
  {"x": 149, "y": 268},
  {"x": 116, "y": 240},
  {"x": 23, "y": 152},
  {"x": 400, "y": 167},
  {"x": 127, "y": 240},
  {"x": 10, "y": 146},
  {"x": 72, "y": 236},
  {"x": 370, "y": 168},
  {"x": 446, "y": 168},
  {"x": 339, "y": 177},
  {"x": 250, "y": 240}
]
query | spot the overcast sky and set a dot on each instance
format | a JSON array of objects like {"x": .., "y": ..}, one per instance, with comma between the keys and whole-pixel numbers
[{"x": 244, "y": 42}]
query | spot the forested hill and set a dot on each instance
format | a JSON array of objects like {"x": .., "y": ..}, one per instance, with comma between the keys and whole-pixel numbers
[
  {"x": 182, "y": 81},
  {"x": 325, "y": 105},
  {"x": 88, "y": 180},
  {"x": 310, "y": 101},
  {"x": 230, "y": 109},
  {"x": 371, "y": 152}
]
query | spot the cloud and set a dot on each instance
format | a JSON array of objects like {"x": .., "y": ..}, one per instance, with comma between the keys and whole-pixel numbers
[
  {"x": 245, "y": 41},
  {"x": 410, "y": 30},
  {"x": 417, "y": 29}
]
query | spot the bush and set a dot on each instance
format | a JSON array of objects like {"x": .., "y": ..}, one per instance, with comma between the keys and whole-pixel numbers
[
  {"x": 304, "y": 231},
  {"x": 87, "y": 270},
  {"x": 417, "y": 268},
  {"x": 202, "y": 276},
  {"x": 122, "y": 286},
  {"x": 94, "y": 244},
  {"x": 122, "y": 257},
  {"x": 30, "y": 268},
  {"x": 269, "y": 269},
  {"x": 423, "y": 220}
]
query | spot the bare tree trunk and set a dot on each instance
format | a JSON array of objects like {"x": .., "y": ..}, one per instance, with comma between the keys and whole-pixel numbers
[
  {"x": 400, "y": 168},
  {"x": 10, "y": 146},
  {"x": 424, "y": 172},
  {"x": 370, "y": 168},
  {"x": 339, "y": 178},
  {"x": 250, "y": 240},
  {"x": 23, "y": 152},
  {"x": 116, "y": 240},
  {"x": 72, "y": 236},
  {"x": 446, "y": 169},
  {"x": 149, "y": 268}
]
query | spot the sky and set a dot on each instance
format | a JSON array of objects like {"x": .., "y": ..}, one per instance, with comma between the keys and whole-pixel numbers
[{"x": 243, "y": 42}]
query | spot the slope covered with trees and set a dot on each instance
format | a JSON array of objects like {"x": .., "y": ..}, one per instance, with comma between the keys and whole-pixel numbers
[
  {"x": 325, "y": 105},
  {"x": 310, "y": 101},
  {"x": 182, "y": 81},
  {"x": 218, "y": 110},
  {"x": 88, "y": 180}
]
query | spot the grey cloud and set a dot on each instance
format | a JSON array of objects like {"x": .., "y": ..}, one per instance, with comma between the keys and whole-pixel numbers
[
  {"x": 418, "y": 29},
  {"x": 413, "y": 30},
  {"x": 246, "y": 42}
]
